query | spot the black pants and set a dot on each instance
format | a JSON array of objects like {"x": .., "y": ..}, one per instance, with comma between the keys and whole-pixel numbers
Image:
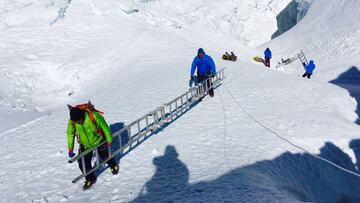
[
  {"x": 308, "y": 75},
  {"x": 267, "y": 62},
  {"x": 202, "y": 78},
  {"x": 208, "y": 84},
  {"x": 103, "y": 153}
]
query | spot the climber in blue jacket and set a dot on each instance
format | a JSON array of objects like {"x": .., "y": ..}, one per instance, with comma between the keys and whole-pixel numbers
[
  {"x": 205, "y": 68},
  {"x": 309, "y": 69},
  {"x": 268, "y": 56}
]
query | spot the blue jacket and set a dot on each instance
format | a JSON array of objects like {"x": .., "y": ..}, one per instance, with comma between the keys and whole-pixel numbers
[
  {"x": 268, "y": 53},
  {"x": 310, "y": 67},
  {"x": 205, "y": 66}
]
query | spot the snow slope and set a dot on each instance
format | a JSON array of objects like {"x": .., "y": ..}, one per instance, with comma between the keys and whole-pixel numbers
[
  {"x": 129, "y": 57},
  {"x": 330, "y": 37},
  {"x": 51, "y": 49}
]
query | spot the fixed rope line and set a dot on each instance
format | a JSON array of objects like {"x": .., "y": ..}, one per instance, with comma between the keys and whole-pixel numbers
[
  {"x": 286, "y": 140},
  {"x": 225, "y": 130}
]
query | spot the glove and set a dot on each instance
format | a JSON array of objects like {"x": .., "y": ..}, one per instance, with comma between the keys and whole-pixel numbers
[
  {"x": 191, "y": 81},
  {"x": 109, "y": 144},
  {"x": 71, "y": 153},
  {"x": 194, "y": 80}
]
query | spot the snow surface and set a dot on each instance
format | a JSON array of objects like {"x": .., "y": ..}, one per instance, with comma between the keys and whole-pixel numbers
[{"x": 129, "y": 57}]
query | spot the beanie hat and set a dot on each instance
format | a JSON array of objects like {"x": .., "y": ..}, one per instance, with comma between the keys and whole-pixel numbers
[
  {"x": 201, "y": 50},
  {"x": 76, "y": 114}
]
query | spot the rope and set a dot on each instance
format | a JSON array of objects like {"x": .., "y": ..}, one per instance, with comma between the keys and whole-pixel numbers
[
  {"x": 286, "y": 140},
  {"x": 225, "y": 130}
]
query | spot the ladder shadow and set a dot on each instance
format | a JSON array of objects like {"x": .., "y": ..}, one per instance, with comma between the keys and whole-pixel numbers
[
  {"x": 157, "y": 131},
  {"x": 125, "y": 138}
]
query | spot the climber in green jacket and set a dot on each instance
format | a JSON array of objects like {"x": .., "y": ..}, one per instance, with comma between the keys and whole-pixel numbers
[{"x": 90, "y": 128}]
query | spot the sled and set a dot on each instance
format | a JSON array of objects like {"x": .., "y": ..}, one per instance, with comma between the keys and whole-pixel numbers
[{"x": 259, "y": 59}]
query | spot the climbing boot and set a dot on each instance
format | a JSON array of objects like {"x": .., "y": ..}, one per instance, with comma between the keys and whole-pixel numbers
[
  {"x": 88, "y": 184},
  {"x": 211, "y": 92},
  {"x": 115, "y": 169}
]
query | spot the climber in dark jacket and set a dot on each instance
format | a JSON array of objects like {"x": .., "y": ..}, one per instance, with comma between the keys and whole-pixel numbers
[{"x": 268, "y": 56}]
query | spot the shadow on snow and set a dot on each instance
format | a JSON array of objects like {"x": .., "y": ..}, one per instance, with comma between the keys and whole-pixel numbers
[
  {"x": 287, "y": 178},
  {"x": 350, "y": 80},
  {"x": 125, "y": 137}
]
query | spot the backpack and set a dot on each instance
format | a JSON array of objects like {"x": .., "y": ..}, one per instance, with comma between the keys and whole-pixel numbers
[{"x": 90, "y": 109}]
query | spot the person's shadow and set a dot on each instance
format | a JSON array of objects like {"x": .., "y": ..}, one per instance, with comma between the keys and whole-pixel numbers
[
  {"x": 170, "y": 180},
  {"x": 290, "y": 177}
]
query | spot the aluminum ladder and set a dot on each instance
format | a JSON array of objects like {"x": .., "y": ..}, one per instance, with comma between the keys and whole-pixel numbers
[{"x": 145, "y": 126}]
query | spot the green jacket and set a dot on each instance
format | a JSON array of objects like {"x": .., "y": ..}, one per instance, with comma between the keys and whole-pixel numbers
[{"x": 87, "y": 132}]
